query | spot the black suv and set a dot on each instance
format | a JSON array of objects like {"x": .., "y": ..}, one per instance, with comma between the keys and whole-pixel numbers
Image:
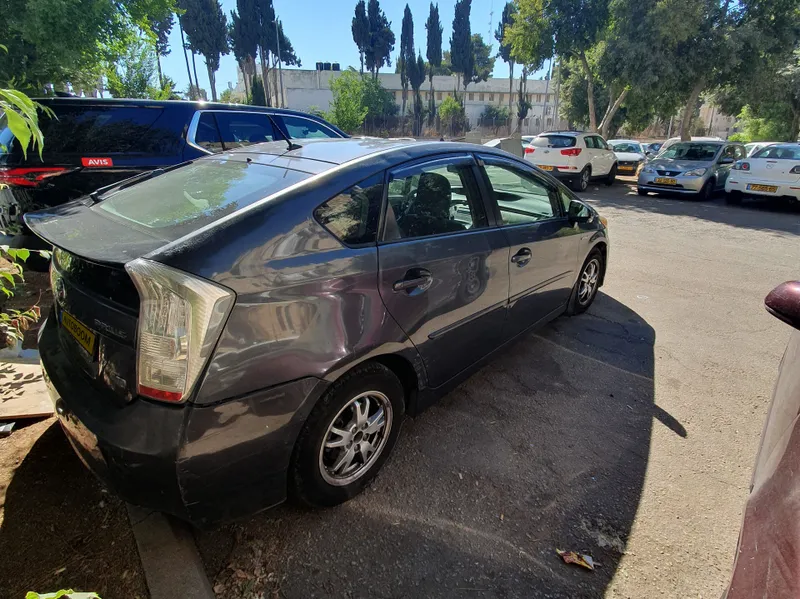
[{"x": 94, "y": 142}]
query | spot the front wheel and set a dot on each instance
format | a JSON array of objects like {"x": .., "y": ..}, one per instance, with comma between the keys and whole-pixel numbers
[
  {"x": 707, "y": 191},
  {"x": 588, "y": 283},
  {"x": 582, "y": 183},
  {"x": 348, "y": 436},
  {"x": 612, "y": 175}
]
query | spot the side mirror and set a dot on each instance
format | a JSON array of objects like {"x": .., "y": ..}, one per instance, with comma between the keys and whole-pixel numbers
[
  {"x": 726, "y": 160},
  {"x": 579, "y": 213},
  {"x": 783, "y": 303}
]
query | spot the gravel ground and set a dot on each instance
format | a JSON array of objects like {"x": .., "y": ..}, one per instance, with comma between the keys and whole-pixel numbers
[{"x": 627, "y": 433}]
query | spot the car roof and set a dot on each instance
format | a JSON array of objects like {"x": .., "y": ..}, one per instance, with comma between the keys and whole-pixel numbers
[
  {"x": 567, "y": 133},
  {"x": 340, "y": 151},
  {"x": 630, "y": 141}
]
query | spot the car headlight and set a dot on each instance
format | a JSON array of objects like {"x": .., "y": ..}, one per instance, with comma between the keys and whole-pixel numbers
[
  {"x": 698, "y": 172},
  {"x": 648, "y": 169}
]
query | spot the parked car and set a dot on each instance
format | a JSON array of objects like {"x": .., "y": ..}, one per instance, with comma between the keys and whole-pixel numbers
[
  {"x": 92, "y": 143},
  {"x": 256, "y": 324},
  {"x": 754, "y": 147},
  {"x": 630, "y": 155},
  {"x": 772, "y": 172},
  {"x": 653, "y": 148},
  {"x": 673, "y": 140},
  {"x": 768, "y": 553},
  {"x": 574, "y": 156},
  {"x": 691, "y": 168}
]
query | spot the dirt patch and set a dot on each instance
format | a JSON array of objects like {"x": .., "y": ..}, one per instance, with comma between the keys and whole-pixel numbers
[{"x": 58, "y": 527}]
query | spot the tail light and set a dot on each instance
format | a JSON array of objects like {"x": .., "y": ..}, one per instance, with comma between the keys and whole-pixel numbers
[
  {"x": 741, "y": 166},
  {"x": 180, "y": 321},
  {"x": 30, "y": 176},
  {"x": 795, "y": 170},
  {"x": 571, "y": 152},
  {"x": 529, "y": 150}
]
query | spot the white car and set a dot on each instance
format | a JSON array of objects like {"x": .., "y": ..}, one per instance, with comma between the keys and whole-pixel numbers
[
  {"x": 630, "y": 155},
  {"x": 754, "y": 147},
  {"x": 772, "y": 172},
  {"x": 573, "y": 156}
]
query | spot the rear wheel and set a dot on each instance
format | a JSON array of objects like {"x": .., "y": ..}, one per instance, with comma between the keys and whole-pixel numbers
[
  {"x": 582, "y": 182},
  {"x": 348, "y": 436},
  {"x": 733, "y": 198},
  {"x": 641, "y": 192},
  {"x": 612, "y": 175},
  {"x": 588, "y": 283}
]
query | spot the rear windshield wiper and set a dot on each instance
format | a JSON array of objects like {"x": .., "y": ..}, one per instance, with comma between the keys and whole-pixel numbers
[{"x": 103, "y": 192}]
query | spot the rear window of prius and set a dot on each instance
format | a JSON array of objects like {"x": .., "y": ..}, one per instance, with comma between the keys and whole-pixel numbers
[
  {"x": 554, "y": 141},
  {"x": 187, "y": 198}
]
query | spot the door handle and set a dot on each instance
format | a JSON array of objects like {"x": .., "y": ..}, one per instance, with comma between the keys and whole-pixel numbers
[
  {"x": 522, "y": 257},
  {"x": 414, "y": 279}
]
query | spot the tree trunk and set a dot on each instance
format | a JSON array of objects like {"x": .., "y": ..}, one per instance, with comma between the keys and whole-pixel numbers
[
  {"x": 688, "y": 110},
  {"x": 275, "y": 79},
  {"x": 186, "y": 57},
  {"x": 613, "y": 107},
  {"x": 510, "y": 94},
  {"x": 265, "y": 74},
  {"x": 212, "y": 81},
  {"x": 589, "y": 92},
  {"x": 361, "y": 54},
  {"x": 160, "y": 76},
  {"x": 431, "y": 103},
  {"x": 196, "y": 80},
  {"x": 242, "y": 67}
]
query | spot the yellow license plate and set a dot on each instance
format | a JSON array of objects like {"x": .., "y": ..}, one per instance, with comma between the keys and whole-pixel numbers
[
  {"x": 626, "y": 168},
  {"x": 544, "y": 167},
  {"x": 83, "y": 335},
  {"x": 767, "y": 188},
  {"x": 666, "y": 181}
]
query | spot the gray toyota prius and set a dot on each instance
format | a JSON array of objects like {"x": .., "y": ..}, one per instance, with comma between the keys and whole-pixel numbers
[{"x": 256, "y": 324}]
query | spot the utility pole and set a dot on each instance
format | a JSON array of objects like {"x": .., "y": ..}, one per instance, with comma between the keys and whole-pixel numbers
[
  {"x": 280, "y": 68},
  {"x": 546, "y": 89}
]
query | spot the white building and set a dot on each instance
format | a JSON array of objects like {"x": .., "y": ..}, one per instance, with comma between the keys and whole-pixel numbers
[{"x": 305, "y": 89}]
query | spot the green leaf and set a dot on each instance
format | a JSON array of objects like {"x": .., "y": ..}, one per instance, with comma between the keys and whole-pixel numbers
[
  {"x": 19, "y": 127},
  {"x": 23, "y": 254},
  {"x": 8, "y": 276},
  {"x": 46, "y": 254}
]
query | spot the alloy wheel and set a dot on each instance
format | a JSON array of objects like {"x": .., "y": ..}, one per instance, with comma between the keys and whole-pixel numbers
[
  {"x": 588, "y": 283},
  {"x": 584, "y": 179},
  {"x": 355, "y": 438}
]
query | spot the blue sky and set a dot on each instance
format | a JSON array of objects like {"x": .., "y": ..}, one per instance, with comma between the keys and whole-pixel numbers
[{"x": 320, "y": 31}]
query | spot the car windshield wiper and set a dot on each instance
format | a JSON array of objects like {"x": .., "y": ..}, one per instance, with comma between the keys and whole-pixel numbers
[
  {"x": 289, "y": 144},
  {"x": 104, "y": 192}
]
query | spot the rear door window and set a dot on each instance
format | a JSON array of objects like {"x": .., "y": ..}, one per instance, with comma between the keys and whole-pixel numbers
[
  {"x": 352, "y": 216},
  {"x": 187, "y": 198},
  {"x": 303, "y": 128},
  {"x": 239, "y": 129}
]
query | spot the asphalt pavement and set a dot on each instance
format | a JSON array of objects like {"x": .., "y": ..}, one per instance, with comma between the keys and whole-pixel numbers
[{"x": 627, "y": 433}]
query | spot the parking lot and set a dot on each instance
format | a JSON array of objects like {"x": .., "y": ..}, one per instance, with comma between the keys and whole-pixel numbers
[{"x": 627, "y": 433}]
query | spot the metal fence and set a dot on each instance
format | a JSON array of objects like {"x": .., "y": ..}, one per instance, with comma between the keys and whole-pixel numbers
[{"x": 455, "y": 127}]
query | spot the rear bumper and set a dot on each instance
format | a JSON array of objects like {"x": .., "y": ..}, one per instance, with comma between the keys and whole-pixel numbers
[
  {"x": 791, "y": 190},
  {"x": 203, "y": 464}
]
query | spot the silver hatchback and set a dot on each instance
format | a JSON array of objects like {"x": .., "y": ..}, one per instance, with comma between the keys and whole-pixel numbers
[{"x": 696, "y": 168}]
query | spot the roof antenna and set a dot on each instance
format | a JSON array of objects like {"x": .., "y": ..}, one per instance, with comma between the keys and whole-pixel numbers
[{"x": 289, "y": 145}]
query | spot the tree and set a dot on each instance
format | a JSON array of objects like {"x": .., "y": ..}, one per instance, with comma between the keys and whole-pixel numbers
[
  {"x": 531, "y": 42},
  {"x": 208, "y": 35},
  {"x": 450, "y": 113},
  {"x": 381, "y": 39},
  {"x": 161, "y": 29},
  {"x": 577, "y": 25},
  {"x": 504, "y": 49},
  {"x": 461, "y": 43},
  {"x": 192, "y": 84},
  {"x": 378, "y": 100},
  {"x": 264, "y": 22},
  {"x": 229, "y": 97},
  {"x": 495, "y": 116},
  {"x": 244, "y": 39},
  {"x": 360, "y": 29},
  {"x": 407, "y": 56},
  {"x": 433, "y": 51},
  {"x": 417, "y": 78},
  {"x": 133, "y": 74},
  {"x": 347, "y": 108},
  {"x": 482, "y": 59},
  {"x": 258, "y": 96}
]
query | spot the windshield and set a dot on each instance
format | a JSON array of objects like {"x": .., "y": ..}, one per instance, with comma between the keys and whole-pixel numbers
[
  {"x": 194, "y": 195},
  {"x": 702, "y": 152},
  {"x": 554, "y": 141},
  {"x": 626, "y": 146},
  {"x": 779, "y": 152}
]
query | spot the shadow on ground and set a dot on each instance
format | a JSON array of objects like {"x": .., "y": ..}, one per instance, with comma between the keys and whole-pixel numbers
[
  {"x": 544, "y": 448},
  {"x": 59, "y": 530},
  {"x": 762, "y": 215}
]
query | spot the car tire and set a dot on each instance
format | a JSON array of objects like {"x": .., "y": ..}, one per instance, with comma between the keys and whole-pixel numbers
[
  {"x": 734, "y": 198},
  {"x": 582, "y": 182},
  {"x": 612, "y": 175},
  {"x": 641, "y": 192},
  {"x": 592, "y": 270},
  {"x": 707, "y": 191},
  {"x": 352, "y": 404}
]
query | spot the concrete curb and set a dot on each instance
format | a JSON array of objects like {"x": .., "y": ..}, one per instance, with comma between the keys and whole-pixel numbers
[{"x": 172, "y": 566}]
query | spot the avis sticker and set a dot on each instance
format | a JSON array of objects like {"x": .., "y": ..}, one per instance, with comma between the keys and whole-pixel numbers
[{"x": 95, "y": 162}]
